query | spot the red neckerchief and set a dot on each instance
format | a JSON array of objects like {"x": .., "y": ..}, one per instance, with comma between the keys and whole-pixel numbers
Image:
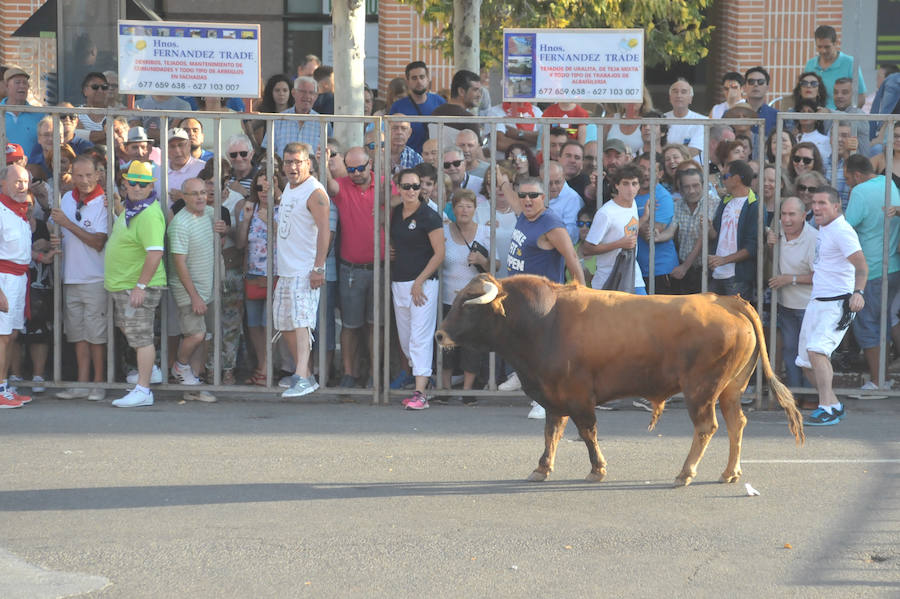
[
  {"x": 18, "y": 208},
  {"x": 521, "y": 110},
  {"x": 95, "y": 193}
]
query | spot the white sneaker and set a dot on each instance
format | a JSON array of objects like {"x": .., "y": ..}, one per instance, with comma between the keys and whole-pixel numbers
[
  {"x": 38, "y": 388},
  {"x": 870, "y": 390},
  {"x": 134, "y": 399},
  {"x": 537, "y": 412},
  {"x": 511, "y": 384},
  {"x": 97, "y": 395},
  {"x": 184, "y": 374},
  {"x": 76, "y": 393},
  {"x": 302, "y": 387},
  {"x": 155, "y": 376}
]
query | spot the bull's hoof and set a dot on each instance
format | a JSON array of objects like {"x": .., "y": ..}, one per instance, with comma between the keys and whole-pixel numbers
[
  {"x": 682, "y": 480},
  {"x": 596, "y": 477},
  {"x": 537, "y": 476},
  {"x": 730, "y": 478}
]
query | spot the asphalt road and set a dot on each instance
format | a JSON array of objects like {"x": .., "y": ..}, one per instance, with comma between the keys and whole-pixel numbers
[{"x": 323, "y": 498}]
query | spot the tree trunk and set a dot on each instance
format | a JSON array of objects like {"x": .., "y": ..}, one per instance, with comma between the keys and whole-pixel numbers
[
  {"x": 466, "y": 35},
  {"x": 348, "y": 18}
]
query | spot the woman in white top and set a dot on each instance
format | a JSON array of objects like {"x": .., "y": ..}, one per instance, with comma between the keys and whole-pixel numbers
[
  {"x": 463, "y": 260},
  {"x": 504, "y": 222}
]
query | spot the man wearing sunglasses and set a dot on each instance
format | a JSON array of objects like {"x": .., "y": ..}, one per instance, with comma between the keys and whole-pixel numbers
[
  {"x": 21, "y": 127},
  {"x": 82, "y": 220},
  {"x": 455, "y": 168},
  {"x": 95, "y": 89},
  {"x": 240, "y": 155},
  {"x": 756, "y": 90},
  {"x": 354, "y": 197},
  {"x": 134, "y": 274}
]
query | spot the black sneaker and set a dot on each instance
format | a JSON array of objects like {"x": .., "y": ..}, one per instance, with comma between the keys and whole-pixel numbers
[
  {"x": 347, "y": 381},
  {"x": 469, "y": 401},
  {"x": 822, "y": 418}
]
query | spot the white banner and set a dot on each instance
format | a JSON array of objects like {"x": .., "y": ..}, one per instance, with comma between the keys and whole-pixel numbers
[
  {"x": 169, "y": 58},
  {"x": 573, "y": 65}
]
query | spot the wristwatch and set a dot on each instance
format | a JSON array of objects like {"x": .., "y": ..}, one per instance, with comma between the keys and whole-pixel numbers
[
  {"x": 318, "y": 269},
  {"x": 859, "y": 291},
  {"x": 140, "y": 286}
]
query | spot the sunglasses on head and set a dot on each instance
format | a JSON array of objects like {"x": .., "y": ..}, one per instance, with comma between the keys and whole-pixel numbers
[
  {"x": 530, "y": 194},
  {"x": 141, "y": 184},
  {"x": 756, "y": 81},
  {"x": 804, "y": 159},
  {"x": 96, "y": 86},
  {"x": 584, "y": 223},
  {"x": 806, "y": 188},
  {"x": 357, "y": 169},
  {"x": 453, "y": 163},
  {"x": 242, "y": 154},
  {"x": 408, "y": 186},
  {"x": 809, "y": 83}
]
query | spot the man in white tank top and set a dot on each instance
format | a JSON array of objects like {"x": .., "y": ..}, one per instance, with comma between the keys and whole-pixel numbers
[{"x": 302, "y": 242}]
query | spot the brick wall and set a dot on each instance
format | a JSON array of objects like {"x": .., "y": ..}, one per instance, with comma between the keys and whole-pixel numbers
[
  {"x": 777, "y": 34},
  {"x": 404, "y": 38},
  {"x": 35, "y": 55}
]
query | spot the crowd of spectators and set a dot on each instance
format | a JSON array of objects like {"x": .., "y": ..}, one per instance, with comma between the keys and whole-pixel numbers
[{"x": 136, "y": 240}]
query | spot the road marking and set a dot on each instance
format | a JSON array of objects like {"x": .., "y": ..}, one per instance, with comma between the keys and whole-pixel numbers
[
  {"x": 18, "y": 578},
  {"x": 827, "y": 461}
]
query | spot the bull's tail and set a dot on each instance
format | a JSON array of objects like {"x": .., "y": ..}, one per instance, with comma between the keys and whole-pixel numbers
[{"x": 782, "y": 393}]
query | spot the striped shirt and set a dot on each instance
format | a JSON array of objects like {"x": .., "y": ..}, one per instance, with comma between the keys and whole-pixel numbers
[
  {"x": 193, "y": 236},
  {"x": 288, "y": 131},
  {"x": 690, "y": 227}
]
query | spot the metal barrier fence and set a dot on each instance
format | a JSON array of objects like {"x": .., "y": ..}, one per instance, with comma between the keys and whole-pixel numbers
[{"x": 382, "y": 331}]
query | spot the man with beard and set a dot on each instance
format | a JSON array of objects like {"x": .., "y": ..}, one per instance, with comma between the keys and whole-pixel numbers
[{"x": 419, "y": 101}]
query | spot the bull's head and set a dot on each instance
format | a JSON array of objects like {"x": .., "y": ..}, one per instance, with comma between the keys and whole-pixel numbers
[{"x": 473, "y": 317}]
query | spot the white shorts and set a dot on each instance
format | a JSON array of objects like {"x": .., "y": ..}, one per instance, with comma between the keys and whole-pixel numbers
[
  {"x": 14, "y": 287},
  {"x": 294, "y": 304},
  {"x": 819, "y": 333}
]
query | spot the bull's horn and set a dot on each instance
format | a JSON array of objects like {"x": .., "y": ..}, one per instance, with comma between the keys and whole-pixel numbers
[{"x": 490, "y": 292}]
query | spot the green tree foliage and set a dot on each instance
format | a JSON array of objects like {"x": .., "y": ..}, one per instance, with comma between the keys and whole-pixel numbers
[{"x": 674, "y": 29}]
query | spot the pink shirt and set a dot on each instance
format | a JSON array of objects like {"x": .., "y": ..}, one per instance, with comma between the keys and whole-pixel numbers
[{"x": 355, "y": 208}]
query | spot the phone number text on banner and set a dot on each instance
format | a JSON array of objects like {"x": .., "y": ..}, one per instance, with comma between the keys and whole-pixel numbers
[
  {"x": 577, "y": 65},
  {"x": 189, "y": 59}
]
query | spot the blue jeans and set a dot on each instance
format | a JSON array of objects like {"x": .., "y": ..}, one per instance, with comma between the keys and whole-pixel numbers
[
  {"x": 789, "y": 321},
  {"x": 732, "y": 286}
]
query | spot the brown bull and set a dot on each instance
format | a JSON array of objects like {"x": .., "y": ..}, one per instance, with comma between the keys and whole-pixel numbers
[{"x": 574, "y": 348}]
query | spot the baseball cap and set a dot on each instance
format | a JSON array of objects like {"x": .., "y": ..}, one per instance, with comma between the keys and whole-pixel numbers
[
  {"x": 614, "y": 143},
  {"x": 178, "y": 133},
  {"x": 14, "y": 152}
]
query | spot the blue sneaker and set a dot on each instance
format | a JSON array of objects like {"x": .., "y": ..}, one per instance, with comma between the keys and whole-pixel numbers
[
  {"x": 820, "y": 417},
  {"x": 403, "y": 379}
]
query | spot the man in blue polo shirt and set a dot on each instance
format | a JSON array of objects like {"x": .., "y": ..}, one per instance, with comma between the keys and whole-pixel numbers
[
  {"x": 22, "y": 127},
  {"x": 831, "y": 64},
  {"x": 419, "y": 101}
]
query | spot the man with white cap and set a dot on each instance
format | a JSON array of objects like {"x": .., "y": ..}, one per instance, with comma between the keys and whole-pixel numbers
[
  {"x": 134, "y": 274},
  {"x": 15, "y": 257},
  {"x": 182, "y": 165},
  {"x": 21, "y": 127}
]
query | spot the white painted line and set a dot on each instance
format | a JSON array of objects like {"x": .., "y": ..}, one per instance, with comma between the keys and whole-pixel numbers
[
  {"x": 827, "y": 461},
  {"x": 19, "y": 579}
]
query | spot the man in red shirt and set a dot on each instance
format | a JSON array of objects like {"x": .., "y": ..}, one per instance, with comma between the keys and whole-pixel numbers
[
  {"x": 354, "y": 197},
  {"x": 569, "y": 110}
]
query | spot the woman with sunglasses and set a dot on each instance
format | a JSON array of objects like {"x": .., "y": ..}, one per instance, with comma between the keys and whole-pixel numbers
[
  {"x": 523, "y": 159},
  {"x": 805, "y": 157},
  {"x": 813, "y": 131},
  {"x": 417, "y": 251},
  {"x": 252, "y": 232},
  {"x": 805, "y": 185},
  {"x": 462, "y": 262},
  {"x": 95, "y": 89}
]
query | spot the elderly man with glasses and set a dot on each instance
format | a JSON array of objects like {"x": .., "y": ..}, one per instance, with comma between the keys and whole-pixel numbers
[{"x": 134, "y": 274}]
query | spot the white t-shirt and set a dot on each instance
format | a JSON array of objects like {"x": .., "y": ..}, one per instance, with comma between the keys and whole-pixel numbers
[
  {"x": 456, "y": 270},
  {"x": 297, "y": 231},
  {"x": 796, "y": 258},
  {"x": 504, "y": 225},
  {"x": 728, "y": 236},
  {"x": 632, "y": 141},
  {"x": 611, "y": 223},
  {"x": 689, "y": 135},
  {"x": 15, "y": 237},
  {"x": 833, "y": 274},
  {"x": 80, "y": 262}
]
